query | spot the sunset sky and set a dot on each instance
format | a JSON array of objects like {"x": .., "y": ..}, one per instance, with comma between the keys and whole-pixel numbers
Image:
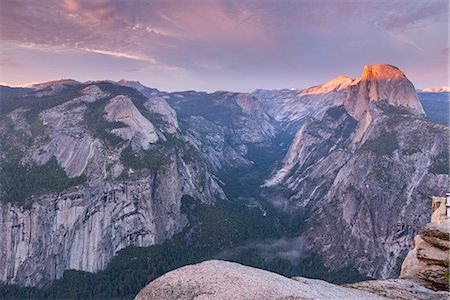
[{"x": 221, "y": 45}]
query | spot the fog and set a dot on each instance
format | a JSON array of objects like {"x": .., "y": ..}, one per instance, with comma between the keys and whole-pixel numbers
[{"x": 291, "y": 249}]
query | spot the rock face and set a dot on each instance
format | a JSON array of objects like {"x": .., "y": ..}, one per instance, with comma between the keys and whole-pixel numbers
[
  {"x": 136, "y": 166},
  {"x": 362, "y": 164},
  {"x": 427, "y": 262},
  {"x": 364, "y": 172},
  {"x": 226, "y": 280},
  {"x": 84, "y": 228},
  {"x": 381, "y": 83},
  {"x": 72, "y": 146},
  {"x": 159, "y": 106},
  {"x": 139, "y": 129}
]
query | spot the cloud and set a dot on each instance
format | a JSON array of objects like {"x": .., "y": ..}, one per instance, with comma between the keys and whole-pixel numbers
[
  {"x": 92, "y": 13},
  {"x": 253, "y": 43},
  {"x": 119, "y": 54},
  {"x": 404, "y": 38}
]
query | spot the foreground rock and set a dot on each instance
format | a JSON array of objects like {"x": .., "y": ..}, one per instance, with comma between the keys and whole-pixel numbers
[
  {"x": 226, "y": 280},
  {"x": 427, "y": 263}
]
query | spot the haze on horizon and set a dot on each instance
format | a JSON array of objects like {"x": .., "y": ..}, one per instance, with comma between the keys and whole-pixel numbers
[{"x": 222, "y": 44}]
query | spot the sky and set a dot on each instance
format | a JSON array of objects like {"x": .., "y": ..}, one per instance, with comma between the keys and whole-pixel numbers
[{"x": 210, "y": 45}]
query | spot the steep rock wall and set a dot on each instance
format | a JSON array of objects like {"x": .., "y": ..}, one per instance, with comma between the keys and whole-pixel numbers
[{"x": 83, "y": 228}]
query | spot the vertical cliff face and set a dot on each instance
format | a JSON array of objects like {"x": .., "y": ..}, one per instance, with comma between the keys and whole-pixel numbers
[
  {"x": 88, "y": 170},
  {"x": 365, "y": 172},
  {"x": 84, "y": 228}
]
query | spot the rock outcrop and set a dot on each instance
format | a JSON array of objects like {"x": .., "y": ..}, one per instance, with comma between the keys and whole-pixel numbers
[
  {"x": 428, "y": 262},
  {"x": 226, "y": 280}
]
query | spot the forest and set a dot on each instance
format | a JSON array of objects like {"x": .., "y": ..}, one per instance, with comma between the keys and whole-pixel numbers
[{"x": 213, "y": 232}]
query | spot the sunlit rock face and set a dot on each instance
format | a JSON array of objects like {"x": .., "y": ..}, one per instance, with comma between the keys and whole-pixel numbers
[
  {"x": 381, "y": 83},
  {"x": 365, "y": 171}
]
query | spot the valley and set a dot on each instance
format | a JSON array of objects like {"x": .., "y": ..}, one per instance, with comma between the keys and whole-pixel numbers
[{"x": 329, "y": 182}]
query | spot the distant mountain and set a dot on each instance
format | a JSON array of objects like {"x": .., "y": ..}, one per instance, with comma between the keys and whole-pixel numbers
[
  {"x": 53, "y": 83},
  {"x": 6, "y": 91},
  {"x": 146, "y": 91},
  {"x": 442, "y": 89},
  {"x": 291, "y": 107}
]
